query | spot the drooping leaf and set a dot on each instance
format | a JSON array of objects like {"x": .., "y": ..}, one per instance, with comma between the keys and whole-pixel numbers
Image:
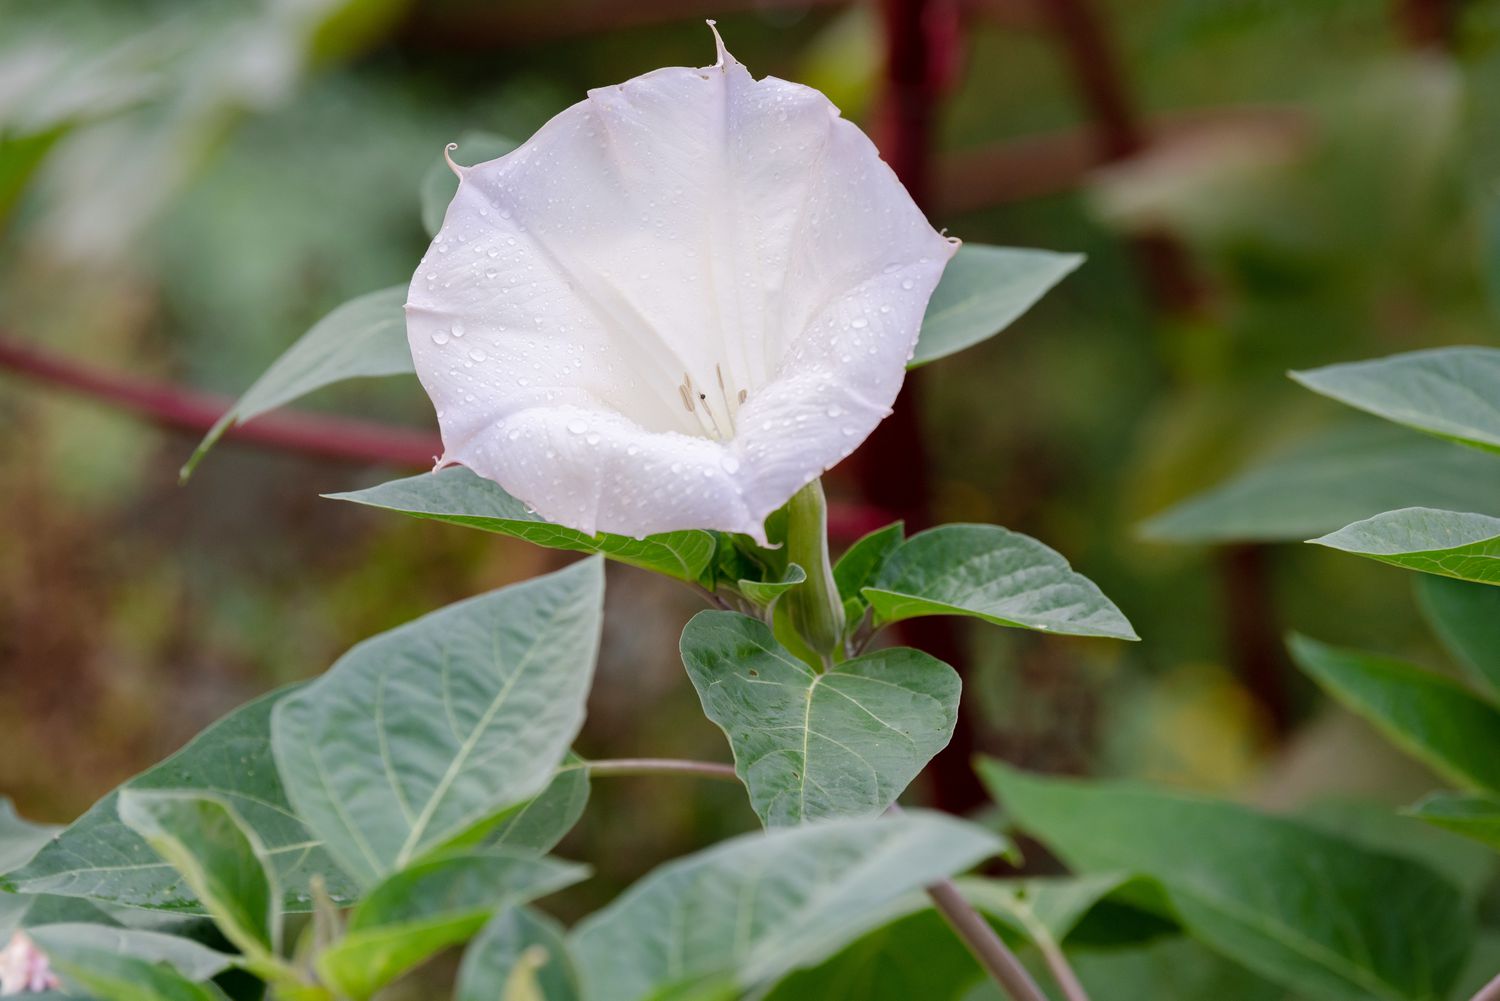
[
  {"x": 364, "y": 337},
  {"x": 98, "y": 857},
  {"x": 994, "y": 574},
  {"x": 841, "y": 743},
  {"x": 1476, "y": 817},
  {"x": 984, "y": 290},
  {"x": 492, "y": 958},
  {"x": 219, "y": 859},
  {"x": 439, "y": 185},
  {"x": 1330, "y": 480},
  {"x": 757, "y": 906},
  {"x": 429, "y": 732},
  {"x": 1450, "y": 392},
  {"x": 430, "y": 906},
  {"x": 189, "y": 958},
  {"x": 1466, "y": 617},
  {"x": 1431, "y": 717},
  {"x": 1320, "y": 915},
  {"x": 459, "y": 497},
  {"x": 1449, "y": 543},
  {"x": 860, "y": 561}
]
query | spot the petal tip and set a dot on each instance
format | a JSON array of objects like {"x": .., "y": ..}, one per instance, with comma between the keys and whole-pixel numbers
[
  {"x": 458, "y": 171},
  {"x": 722, "y": 58}
]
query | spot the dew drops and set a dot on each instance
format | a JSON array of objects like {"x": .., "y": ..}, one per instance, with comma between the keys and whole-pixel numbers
[
  {"x": 907, "y": 284},
  {"x": 440, "y": 337},
  {"x": 859, "y": 323},
  {"x": 458, "y": 329},
  {"x": 577, "y": 426},
  {"x": 478, "y": 355},
  {"x": 730, "y": 464}
]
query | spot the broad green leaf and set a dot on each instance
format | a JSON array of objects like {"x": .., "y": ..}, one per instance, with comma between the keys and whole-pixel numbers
[
  {"x": 1331, "y": 479},
  {"x": 993, "y": 574},
  {"x": 754, "y": 907},
  {"x": 1323, "y": 916},
  {"x": 113, "y": 977},
  {"x": 439, "y": 185},
  {"x": 1431, "y": 717},
  {"x": 1448, "y": 543},
  {"x": 364, "y": 337},
  {"x": 430, "y": 906},
  {"x": 1466, "y": 617},
  {"x": 20, "y": 839},
  {"x": 491, "y": 959},
  {"x": 98, "y": 857},
  {"x": 542, "y": 821},
  {"x": 1453, "y": 393},
  {"x": 862, "y": 560},
  {"x": 766, "y": 591},
  {"x": 459, "y": 497},
  {"x": 1044, "y": 909},
  {"x": 984, "y": 290},
  {"x": 219, "y": 859},
  {"x": 841, "y": 743},
  {"x": 429, "y": 732},
  {"x": 192, "y": 960},
  {"x": 1476, "y": 817}
]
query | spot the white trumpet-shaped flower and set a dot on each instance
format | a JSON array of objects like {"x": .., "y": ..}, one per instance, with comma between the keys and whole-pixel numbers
[{"x": 683, "y": 299}]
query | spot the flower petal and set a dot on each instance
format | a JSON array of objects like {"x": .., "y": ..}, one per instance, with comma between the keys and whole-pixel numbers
[{"x": 681, "y": 300}]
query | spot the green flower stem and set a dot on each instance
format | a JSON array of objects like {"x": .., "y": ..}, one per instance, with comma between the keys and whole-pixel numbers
[
  {"x": 815, "y": 609},
  {"x": 986, "y": 946}
]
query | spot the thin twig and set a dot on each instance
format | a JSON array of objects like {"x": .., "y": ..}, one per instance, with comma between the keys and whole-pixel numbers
[
  {"x": 1490, "y": 991},
  {"x": 656, "y": 766},
  {"x": 1062, "y": 973},
  {"x": 986, "y": 946}
]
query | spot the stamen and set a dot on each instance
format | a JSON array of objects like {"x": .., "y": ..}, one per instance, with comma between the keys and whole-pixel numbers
[
  {"x": 687, "y": 399},
  {"x": 743, "y": 395}
]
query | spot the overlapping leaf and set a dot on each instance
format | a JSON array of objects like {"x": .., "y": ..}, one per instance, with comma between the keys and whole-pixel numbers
[
  {"x": 1320, "y": 915},
  {"x": 754, "y": 907},
  {"x": 1466, "y": 617},
  {"x": 428, "y": 733},
  {"x": 1456, "y": 544},
  {"x": 840, "y": 743},
  {"x": 994, "y": 574},
  {"x": 1476, "y": 817},
  {"x": 513, "y": 938}
]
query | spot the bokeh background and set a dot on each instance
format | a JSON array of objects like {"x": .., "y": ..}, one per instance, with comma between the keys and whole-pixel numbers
[{"x": 1259, "y": 185}]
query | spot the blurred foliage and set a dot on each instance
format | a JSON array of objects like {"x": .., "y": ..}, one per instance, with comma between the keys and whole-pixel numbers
[{"x": 186, "y": 186}]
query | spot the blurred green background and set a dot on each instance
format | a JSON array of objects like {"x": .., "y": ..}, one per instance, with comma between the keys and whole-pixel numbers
[{"x": 186, "y": 185}]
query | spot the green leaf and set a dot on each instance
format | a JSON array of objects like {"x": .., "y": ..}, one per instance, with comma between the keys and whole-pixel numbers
[
  {"x": 98, "y": 857},
  {"x": 1320, "y": 915},
  {"x": 1449, "y": 543},
  {"x": 1042, "y": 910},
  {"x": 841, "y": 743},
  {"x": 194, "y": 961},
  {"x": 439, "y": 185},
  {"x": 493, "y": 957},
  {"x": 983, "y": 291},
  {"x": 431, "y": 906},
  {"x": 541, "y": 822},
  {"x": 1432, "y": 718},
  {"x": 459, "y": 497},
  {"x": 1466, "y": 617},
  {"x": 1476, "y": 817},
  {"x": 757, "y": 906},
  {"x": 1453, "y": 393},
  {"x": 1167, "y": 968},
  {"x": 766, "y": 591},
  {"x": 862, "y": 560},
  {"x": 993, "y": 574},
  {"x": 219, "y": 859},
  {"x": 111, "y": 977},
  {"x": 427, "y": 733},
  {"x": 20, "y": 839},
  {"x": 363, "y": 337},
  {"x": 1331, "y": 479}
]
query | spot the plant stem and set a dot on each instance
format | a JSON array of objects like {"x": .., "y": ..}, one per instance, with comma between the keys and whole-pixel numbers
[
  {"x": 1490, "y": 991},
  {"x": 1062, "y": 973},
  {"x": 992, "y": 953},
  {"x": 657, "y": 766}
]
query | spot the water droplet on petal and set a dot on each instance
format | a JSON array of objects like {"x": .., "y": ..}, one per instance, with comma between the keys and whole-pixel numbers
[{"x": 577, "y": 426}]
